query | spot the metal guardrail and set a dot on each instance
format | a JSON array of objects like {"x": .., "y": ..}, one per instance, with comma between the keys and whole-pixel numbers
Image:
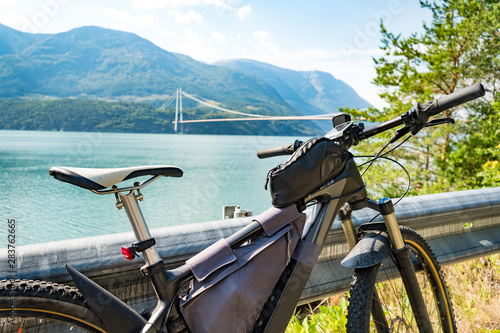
[{"x": 458, "y": 226}]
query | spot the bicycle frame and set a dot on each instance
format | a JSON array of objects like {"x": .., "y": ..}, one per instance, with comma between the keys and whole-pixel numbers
[{"x": 346, "y": 188}]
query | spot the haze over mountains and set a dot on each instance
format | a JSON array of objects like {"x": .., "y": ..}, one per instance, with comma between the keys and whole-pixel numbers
[
  {"x": 311, "y": 92},
  {"x": 97, "y": 63}
]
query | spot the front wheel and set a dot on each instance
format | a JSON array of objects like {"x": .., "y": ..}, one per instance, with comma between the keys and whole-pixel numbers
[
  {"x": 38, "y": 306},
  {"x": 391, "y": 306}
]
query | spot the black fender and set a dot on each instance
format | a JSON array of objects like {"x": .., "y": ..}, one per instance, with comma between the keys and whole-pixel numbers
[
  {"x": 369, "y": 251},
  {"x": 116, "y": 316}
]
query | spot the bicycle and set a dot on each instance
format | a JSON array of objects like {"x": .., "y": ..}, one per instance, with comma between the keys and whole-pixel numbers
[{"x": 421, "y": 301}]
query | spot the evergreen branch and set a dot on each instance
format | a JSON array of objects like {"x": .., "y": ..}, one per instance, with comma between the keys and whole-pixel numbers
[{"x": 482, "y": 49}]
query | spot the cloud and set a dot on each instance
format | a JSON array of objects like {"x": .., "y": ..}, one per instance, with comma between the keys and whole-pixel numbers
[
  {"x": 148, "y": 5},
  {"x": 186, "y": 18},
  {"x": 160, "y": 4},
  {"x": 263, "y": 41},
  {"x": 9, "y": 3},
  {"x": 166, "y": 32},
  {"x": 145, "y": 21},
  {"x": 222, "y": 8},
  {"x": 243, "y": 12},
  {"x": 113, "y": 13},
  {"x": 15, "y": 20},
  {"x": 209, "y": 53},
  {"x": 126, "y": 19},
  {"x": 192, "y": 36},
  {"x": 218, "y": 37}
]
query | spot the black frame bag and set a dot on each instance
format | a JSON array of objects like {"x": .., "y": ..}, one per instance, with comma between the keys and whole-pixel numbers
[{"x": 314, "y": 163}]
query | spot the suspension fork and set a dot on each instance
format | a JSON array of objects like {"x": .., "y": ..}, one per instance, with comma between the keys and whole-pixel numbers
[
  {"x": 405, "y": 266},
  {"x": 402, "y": 256}
]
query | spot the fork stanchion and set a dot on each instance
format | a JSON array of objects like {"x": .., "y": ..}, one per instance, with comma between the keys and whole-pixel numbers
[{"x": 401, "y": 253}]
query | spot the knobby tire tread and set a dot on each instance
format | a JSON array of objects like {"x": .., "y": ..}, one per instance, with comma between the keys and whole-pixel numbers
[
  {"x": 363, "y": 286},
  {"x": 358, "y": 315},
  {"x": 46, "y": 296}
]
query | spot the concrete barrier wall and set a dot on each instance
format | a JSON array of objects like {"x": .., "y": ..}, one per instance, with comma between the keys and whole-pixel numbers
[{"x": 458, "y": 226}]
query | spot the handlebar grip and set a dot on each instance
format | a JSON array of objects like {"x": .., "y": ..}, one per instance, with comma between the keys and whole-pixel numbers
[
  {"x": 459, "y": 97},
  {"x": 287, "y": 149},
  {"x": 426, "y": 110}
]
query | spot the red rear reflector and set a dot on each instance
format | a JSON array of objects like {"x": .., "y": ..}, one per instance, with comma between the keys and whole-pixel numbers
[{"x": 128, "y": 253}]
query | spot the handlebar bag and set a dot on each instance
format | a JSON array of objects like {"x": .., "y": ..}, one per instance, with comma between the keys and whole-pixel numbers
[
  {"x": 313, "y": 164},
  {"x": 231, "y": 286}
]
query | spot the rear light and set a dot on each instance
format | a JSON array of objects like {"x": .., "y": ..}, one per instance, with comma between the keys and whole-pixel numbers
[{"x": 128, "y": 253}]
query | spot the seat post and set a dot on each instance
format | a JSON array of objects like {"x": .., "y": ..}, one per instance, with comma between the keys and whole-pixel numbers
[{"x": 139, "y": 226}]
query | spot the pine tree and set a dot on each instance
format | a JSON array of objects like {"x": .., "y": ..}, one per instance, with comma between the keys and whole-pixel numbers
[{"x": 461, "y": 46}]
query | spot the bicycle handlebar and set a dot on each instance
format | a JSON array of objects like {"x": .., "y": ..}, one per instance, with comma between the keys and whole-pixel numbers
[
  {"x": 278, "y": 151},
  {"x": 419, "y": 114}
]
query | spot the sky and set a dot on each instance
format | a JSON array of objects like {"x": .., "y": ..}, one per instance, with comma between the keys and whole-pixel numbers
[{"x": 338, "y": 37}]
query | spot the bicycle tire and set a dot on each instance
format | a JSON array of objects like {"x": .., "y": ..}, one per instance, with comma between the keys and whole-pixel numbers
[
  {"x": 392, "y": 294},
  {"x": 39, "y": 306}
]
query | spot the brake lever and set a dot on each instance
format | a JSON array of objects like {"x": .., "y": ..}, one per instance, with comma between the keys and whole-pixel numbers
[
  {"x": 416, "y": 128},
  {"x": 400, "y": 133},
  {"x": 440, "y": 121}
]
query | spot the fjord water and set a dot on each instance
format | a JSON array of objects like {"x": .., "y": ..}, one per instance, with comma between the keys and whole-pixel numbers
[{"x": 218, "y": 170}]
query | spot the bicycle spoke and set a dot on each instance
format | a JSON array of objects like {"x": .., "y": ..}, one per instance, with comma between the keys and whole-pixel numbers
[
  {"x": 396, "y": 290},
  {"x": 36, "y": 325},
  {"x": 429, "y": 294},
  {"x": 39, "y": 325},
  {"x": 393, "y": 299}
]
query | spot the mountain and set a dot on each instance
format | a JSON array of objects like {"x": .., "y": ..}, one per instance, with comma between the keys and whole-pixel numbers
[
  {"x": 309, "y": 92},
  {"x": 93, "y": 63}
]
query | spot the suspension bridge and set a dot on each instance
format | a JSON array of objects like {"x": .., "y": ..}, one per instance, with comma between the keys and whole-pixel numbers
[{"x": 241, "y": 116}]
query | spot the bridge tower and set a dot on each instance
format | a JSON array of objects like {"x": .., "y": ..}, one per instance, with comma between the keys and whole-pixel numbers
[{"x": 178, "y": 111}]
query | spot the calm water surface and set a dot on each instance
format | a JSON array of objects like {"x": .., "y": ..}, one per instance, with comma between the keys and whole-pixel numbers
[{"x": 218, "y": 171}]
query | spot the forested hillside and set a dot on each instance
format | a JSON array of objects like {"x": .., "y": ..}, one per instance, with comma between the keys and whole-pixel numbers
[{"x": 99, "y": 116}]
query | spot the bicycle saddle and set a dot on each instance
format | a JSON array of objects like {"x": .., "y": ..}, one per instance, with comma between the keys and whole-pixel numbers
[{"x": 99, "y": 179}]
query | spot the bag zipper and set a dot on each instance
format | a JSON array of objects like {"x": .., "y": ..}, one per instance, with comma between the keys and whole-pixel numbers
[{"x": 269, "y": 175}]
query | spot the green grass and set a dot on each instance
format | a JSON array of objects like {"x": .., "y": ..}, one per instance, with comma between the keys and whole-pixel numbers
[
  {"x": 474, "y": 288},
  {"x": 322, "y": 319}
]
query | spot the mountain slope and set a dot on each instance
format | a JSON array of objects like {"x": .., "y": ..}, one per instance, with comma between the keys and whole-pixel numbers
[
  {"x": 14, "y": 42},
  {"x": 310, "y": 92},
  {"x": 93, "y": 62}
]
